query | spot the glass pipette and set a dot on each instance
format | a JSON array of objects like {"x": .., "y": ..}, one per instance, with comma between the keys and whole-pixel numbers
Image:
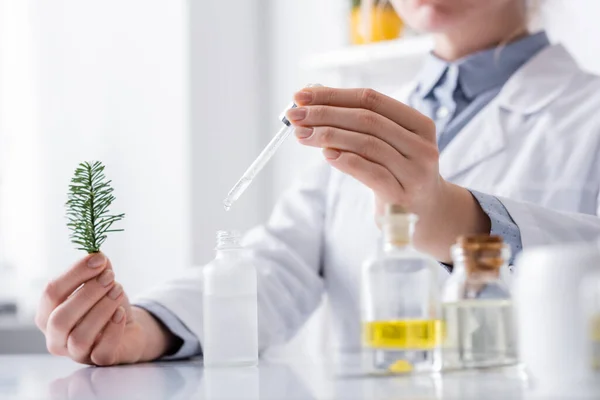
[{"x": 262, "y": 159}]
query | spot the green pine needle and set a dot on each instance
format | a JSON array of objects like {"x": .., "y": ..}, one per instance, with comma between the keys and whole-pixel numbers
[{"x": 90, "y": 195}]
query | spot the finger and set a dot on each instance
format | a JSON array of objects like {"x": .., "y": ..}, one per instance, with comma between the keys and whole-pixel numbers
[
  {"x": 372, "y": 175},
  {"x": 58, "y": 290},
  {"x": 357, "y": 120},
  {"x": 369, "y": 147},
  {"x": 369, "y": 99},
  {"x": 64, "y": 317},
  {"x": 126, "y": 303},
  {"x": 105, "y": 352},
  {"x": 82, "y": 338}
]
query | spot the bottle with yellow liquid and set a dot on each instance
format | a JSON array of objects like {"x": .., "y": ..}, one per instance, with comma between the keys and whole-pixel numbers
[
  {"x": 479, "y": 326},
  {"x": 591, "y": 306},
  {"x": 400, "y": 306},
  {"x": 595, "y": 339}
]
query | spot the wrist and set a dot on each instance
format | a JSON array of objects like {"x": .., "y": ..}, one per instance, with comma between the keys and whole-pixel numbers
[
  {"x": 455, "y": 213},
  {"x": 473, "y": 219},
  {"x": 157, "y": 341}
]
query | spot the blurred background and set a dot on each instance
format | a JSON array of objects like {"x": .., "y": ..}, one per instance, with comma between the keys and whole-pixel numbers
[{"x": 177, "y": 97}]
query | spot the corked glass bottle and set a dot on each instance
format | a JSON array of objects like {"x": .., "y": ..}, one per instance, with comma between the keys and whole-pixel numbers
[
  {"x": 400, "y": 302},
  {"x": 477, "y": 308}
]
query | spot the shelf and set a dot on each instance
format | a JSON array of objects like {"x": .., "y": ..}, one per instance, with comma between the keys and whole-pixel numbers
[{"x": 360, "y": 56}]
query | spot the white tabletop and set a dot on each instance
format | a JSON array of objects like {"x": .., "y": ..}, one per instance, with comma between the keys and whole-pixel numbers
[{"x": 47, "y": 377}]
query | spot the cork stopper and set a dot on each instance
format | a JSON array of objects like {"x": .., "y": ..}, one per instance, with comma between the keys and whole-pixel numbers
[
  {"x": 481, "y": 241},
  {"x": 397, "y": 225},
  {"x": 482, "y": 253},
  {"x": 394, "y": 209}
]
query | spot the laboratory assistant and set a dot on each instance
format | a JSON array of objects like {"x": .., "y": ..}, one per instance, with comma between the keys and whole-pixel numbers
[
  {"x": 527, "y": 147},
  {"x": 523, "y": 138}
]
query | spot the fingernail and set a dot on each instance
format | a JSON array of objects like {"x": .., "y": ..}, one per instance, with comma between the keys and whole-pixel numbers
[
  {"x": 118, "y": 315},
  {"x": 106, "y": 278},
  {"x": 96, "y": 261},
  {"x": 296, "y": 114},
  {"x": 331, "y": 154},
  {"x": 303, "y": 133},
  {"x": 115, "y": 292},
  {"x": 304, "y": 97}
]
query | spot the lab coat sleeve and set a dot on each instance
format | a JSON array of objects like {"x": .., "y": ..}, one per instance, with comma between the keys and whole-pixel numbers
[
  {"x": 190, "y": 346},
  {"x": 542, "y": 226},
  {"x": 287, "y": 253}
]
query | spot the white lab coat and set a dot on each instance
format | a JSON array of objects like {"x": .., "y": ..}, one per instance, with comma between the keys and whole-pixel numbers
[{"x": 536, "y": 146}]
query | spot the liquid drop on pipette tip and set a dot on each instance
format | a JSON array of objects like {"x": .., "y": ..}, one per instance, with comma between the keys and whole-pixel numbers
[{"x": 235, "y": 193}]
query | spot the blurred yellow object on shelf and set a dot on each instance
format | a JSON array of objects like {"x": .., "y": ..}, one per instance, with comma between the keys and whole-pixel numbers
[{"x": 385, "y": 24}]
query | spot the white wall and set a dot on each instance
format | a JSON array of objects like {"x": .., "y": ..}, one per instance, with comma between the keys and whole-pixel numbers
[
  {"x": 102, "y": 80},
  {"x": 296, "y": 30},
  {"x": 22, "y": 243}
]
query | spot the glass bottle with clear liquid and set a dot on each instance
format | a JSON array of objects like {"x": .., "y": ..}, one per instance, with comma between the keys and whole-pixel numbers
[
  {"x": 230, "y": 306},
  {"x": 478, "y": 315},
  {"x": 400, "y": 308}
]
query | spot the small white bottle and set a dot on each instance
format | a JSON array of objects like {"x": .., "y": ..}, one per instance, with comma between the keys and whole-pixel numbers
[{"x": 230, "y": 306}]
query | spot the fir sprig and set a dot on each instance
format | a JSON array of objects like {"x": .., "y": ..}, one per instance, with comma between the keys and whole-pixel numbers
[{"x": 89, "y": 197}]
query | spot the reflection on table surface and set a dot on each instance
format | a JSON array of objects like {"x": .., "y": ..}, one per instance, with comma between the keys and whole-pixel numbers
[{"x": 47, "y": 377}]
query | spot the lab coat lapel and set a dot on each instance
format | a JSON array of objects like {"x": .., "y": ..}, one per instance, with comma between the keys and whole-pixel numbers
[
  {"x": 480, "y": 140},
  {"x": 468, "y": 148},
  {"x": 530, "y": 90}
]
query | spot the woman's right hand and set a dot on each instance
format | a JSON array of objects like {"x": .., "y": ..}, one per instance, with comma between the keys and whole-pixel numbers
[{"x": 85, "y": 315}]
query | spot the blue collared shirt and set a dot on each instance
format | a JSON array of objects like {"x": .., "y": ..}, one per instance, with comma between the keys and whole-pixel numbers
[{"x": 452, "y": 93}]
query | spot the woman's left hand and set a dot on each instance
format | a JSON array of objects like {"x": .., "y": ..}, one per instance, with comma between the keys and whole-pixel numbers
[{"x": 389, "y": 147}]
